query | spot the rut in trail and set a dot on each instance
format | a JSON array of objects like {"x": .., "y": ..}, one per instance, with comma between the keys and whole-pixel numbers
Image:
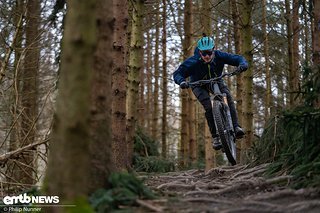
[{"x": 228, "y": 189}]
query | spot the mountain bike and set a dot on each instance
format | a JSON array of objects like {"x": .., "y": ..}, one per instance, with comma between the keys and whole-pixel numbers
[{"x": 221, "y": 115}]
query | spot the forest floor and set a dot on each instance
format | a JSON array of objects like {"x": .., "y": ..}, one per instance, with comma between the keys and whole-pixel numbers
[{"x": 226, "y": 189}]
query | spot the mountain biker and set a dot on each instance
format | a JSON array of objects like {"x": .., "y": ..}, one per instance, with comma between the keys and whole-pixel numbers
[{"x": 208, "y": 63}]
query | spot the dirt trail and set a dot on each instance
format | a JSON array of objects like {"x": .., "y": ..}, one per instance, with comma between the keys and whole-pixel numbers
[{"x": 227, "y": 189}]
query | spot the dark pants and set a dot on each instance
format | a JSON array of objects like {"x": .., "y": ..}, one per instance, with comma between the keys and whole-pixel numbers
[{"x": 202, "y": 94}]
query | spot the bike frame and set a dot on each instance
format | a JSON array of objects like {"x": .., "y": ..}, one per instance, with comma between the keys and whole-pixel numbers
[
  {"x": 222, "y": 97},
  {"x": 221, "y": 114}
]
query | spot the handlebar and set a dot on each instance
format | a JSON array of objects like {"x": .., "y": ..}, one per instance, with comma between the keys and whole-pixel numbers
[{"x": 203, "y": 82}]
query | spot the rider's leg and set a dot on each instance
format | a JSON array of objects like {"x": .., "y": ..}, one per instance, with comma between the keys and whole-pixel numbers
[
  {"x": 204, "y": 98},
  {"x": 233, "y": 111}
]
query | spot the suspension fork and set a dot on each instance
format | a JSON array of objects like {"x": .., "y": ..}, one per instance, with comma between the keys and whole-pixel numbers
[
  {"x": 222, "y": 97},
  {"x": 227, "y": 110}
]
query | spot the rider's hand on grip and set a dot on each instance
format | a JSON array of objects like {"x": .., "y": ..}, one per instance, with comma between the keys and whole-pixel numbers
[
  {"x": 242, "y": 68},
  {"x": 184, "y": 85}
]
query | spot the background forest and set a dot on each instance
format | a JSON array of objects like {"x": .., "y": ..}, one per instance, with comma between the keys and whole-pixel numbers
[{"x": 86, "y": 89}]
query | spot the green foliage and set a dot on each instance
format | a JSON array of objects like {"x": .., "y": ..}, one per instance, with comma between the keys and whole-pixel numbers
[
  {"x": 292, "y": 144},
  {"x": 124, "y": 190},
  {"x": 81, "y": 205},
  {"x": 145, "y": 145},
  {"x": 147, "y": 157},
  {"x": 153, "y": 164},
  {"x": 311, "y": 85},
  {"x": 291, "y": 141}
]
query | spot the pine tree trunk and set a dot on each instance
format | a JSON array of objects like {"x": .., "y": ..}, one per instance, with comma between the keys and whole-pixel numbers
[
  {"x": 164, "y": 80},
  {"x": 30, "y": 90},
  {"x": 306, "y": 40},
  {"x": 185, "y": 124},
  {"x": 209, "y": 153},
  {"x": 295, "y": 51},
  {"x": 247, "y": 6},
  {"x": 119, "y": 79},
  {"x": 192, "y": 99},
  {"x": 67, "y": 173},
  {"x": 149, "y": 83},
  {"x": 155, "y": 112},
  {"x": 135, "y": 67},
  {"x": 206, "y": 17},
  {"x": 316, "y": 44},
  {"x": 237, "y": 45},
  {"x": 290, "y": 54},
  {"x": 12, "y": 167},
  {"x": 316, "y": 34},
  {"x": 142, "y": 102},
  {"x": 229, "y": 46},
  {"x": 100, "y": 116},
  {"x": 192, "y": 129},
  {"x": 268, "y": 96}
]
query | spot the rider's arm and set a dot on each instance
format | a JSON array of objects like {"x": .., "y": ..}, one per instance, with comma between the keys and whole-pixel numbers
[
  {"x": 184, "y": 71},
  {"x": 232, "y": 59}
]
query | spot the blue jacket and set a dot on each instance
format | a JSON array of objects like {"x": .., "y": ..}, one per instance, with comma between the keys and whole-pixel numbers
[{"x": 196, "y": 69}]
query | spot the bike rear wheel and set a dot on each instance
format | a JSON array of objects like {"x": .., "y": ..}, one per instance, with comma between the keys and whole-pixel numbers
[{"x": 227, "y": 137}]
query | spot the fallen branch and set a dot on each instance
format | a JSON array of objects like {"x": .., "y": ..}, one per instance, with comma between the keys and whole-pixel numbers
[
  {"x": 207, "y": 200},
  {"x": 224, "y": 169},
  {"x": 149, "y": 206},
  {"x": 16, "y": 152},
  {"x": 248, "y": 209},
  {"x": 177, "y": 186}
]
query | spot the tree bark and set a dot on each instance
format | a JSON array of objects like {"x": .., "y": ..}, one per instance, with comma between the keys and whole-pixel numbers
[
  {"x": 149, "y": 83},
  {"x": 290, "y": 54},
  {"x": 155, "y": 112},
  {"x": 316, "y": 43},
  {"x": 185, "y": 124},
  {"x": 69, "y": 147},
  {"x": 268, "y": 100},
  {"x": 237, "y": 45},
  {"x": 135, "y": 66},
  {"x": 295, "y": 51},
  {"x": 29, "y": 91},
  {"x": 119, "y": 80},
  {"x": 316, "y": 34},
  {"x": 246, "y": 37},
  {"x": 209, "y": 153},
  {"x": 100, "y": 112},
  {"x": 12, "y": 169},
  {"x": 164, "y": 80}
]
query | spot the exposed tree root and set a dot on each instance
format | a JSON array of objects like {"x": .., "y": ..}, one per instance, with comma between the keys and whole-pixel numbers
[
  {"x": 177, "y": 186},
  {"x": 250, "y": 172},
  {"x": 208, "y": 200},
  {"x": 304, "y": 206},
  {"x": 285, "y": 193},
  {"x": 149, "y": 206},
  {"x": 233, "y": 189}
]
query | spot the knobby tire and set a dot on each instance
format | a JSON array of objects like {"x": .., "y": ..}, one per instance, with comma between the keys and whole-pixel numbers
[{"x": 225, "y": 136}]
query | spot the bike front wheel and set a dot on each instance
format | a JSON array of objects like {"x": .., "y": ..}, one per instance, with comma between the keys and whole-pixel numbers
[{"x": 226, "y": 136}]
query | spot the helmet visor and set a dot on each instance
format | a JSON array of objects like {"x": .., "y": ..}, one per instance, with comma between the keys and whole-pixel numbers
[{"x": 206, "y": 52}]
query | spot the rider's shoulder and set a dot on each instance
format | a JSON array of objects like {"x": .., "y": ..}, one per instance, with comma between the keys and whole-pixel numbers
[
  {"x": 219, "y": 53},
  {"x": 191, "y": 61}
]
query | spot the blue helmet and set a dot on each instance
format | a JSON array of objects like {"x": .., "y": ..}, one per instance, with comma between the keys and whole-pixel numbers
[{"x": 205, "y": 43}]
